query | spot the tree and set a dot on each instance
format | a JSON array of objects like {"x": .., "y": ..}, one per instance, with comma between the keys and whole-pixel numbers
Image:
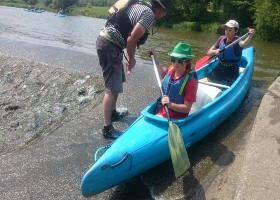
[
  {"x": 241, "y": 11},
  {"x": 267, "y": 17},
  {"x": 63, "y": 3},
  {"x": 47, "y": 2},
  {"x": 190, "y": 10},
  {"x": 31, "y": 2}
]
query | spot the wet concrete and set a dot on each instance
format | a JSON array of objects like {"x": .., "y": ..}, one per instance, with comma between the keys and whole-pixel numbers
[
  {"x": 254, "y": 174},
  {"x": 48, "y": 162},
  {"x": 51, "y": 165},
  {"x": 260, "y": 174}
]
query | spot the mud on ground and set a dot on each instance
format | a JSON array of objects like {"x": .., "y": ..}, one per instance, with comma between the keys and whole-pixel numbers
[{"x": 36, "y": 99}]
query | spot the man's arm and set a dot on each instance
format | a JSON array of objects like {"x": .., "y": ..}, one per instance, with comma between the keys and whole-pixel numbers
[{"x": 136, "y": 33}]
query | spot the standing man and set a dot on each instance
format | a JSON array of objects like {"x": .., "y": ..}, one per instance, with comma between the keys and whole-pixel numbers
[{"x": 126, "y": 27}]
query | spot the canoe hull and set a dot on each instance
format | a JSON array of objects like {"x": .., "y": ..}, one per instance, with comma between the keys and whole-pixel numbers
[
  {"x": 145, "y": 143},
  {"x": 35, "y": 11}
]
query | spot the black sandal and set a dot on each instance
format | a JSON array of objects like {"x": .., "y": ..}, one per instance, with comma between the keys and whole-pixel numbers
[
  {"x": 118, "y": 115},
  {"x": 112, "y": 133}
]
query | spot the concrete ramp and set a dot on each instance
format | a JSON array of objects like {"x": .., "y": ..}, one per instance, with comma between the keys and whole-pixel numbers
[{"x": 260, "y": 175}]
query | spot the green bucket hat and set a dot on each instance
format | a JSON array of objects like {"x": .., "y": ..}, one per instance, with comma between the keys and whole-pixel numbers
[{"x": 182, "y": 50}]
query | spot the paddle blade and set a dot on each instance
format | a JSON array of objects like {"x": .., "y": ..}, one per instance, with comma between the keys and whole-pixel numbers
[
  {"x": 201, "y": 62},
  {"x": 179, "y": 156}
]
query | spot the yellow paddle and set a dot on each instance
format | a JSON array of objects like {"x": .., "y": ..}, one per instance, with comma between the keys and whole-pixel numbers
[{"x": 178, "y": 152}]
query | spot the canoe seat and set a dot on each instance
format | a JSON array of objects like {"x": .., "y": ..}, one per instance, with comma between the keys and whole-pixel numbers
[
  {"x": 241, "y": 69},
  {"x": 204, "y": 95}
]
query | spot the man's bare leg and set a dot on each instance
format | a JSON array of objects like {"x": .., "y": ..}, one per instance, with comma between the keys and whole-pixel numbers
[{"x": 109, "y": 104}]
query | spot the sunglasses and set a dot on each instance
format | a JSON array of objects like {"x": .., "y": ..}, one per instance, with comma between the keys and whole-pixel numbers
[{"x": 180, "y": 61}]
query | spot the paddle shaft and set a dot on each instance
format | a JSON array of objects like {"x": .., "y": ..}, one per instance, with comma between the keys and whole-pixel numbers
[
  {"x": 157, "y": 75},
  {"x": 165, "y": 106},
  {"x": 229, "y": 45},
  {"x": 160, "y": 85},
  {"x": 201, "y": 62}
]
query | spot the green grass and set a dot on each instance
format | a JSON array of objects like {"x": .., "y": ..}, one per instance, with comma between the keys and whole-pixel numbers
[
  {"x": 213, "y": 28},
  {"x": 97, "y": 12},
  {"x": 92, "y": 11},
  {"x": 22, "y": 4},
  {"x": 14, "y": 3},
  {"x": 192, "y": 26}
]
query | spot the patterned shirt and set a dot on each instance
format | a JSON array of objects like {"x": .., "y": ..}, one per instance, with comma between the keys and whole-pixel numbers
[{"x": 137, "y": 13}]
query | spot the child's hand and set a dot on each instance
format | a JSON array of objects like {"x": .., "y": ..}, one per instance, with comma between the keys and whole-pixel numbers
[
  {"x": 166, "y": 101},
  {"x": 217, "y": 52},
  {"x": 251, "y": 31}
]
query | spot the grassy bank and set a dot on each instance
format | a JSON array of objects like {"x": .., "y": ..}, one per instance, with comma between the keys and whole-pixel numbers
[
  {"x": 22, "y": 4},
  {"x": 92, "y": 11}
]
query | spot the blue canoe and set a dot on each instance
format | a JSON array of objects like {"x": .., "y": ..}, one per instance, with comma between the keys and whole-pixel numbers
[
  {"x": 61, "y": 15},
  {"x": 145, "y": 143},
  {"x": 35, "y": 11}
]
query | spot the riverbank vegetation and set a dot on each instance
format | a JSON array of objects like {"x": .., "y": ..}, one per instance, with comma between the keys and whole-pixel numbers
[{"x": 199, "y": 15}]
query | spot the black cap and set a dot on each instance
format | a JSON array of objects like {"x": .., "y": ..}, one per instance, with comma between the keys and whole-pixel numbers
[{"x": 166, "y": 4}]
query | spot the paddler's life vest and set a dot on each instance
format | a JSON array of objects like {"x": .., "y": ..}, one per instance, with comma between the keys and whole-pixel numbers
[
  {"x": 231, "y": 54},
  {"x": 117, "y": 16},
  {"x": 176, "y": 90}
]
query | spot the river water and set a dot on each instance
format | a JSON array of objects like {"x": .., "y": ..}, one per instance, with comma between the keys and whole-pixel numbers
[
  {"x": 70, "y": 43},
  {"x": 78, "y": 33}
]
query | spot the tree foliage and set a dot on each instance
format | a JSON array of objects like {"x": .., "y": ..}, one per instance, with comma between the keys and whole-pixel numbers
[
  {"x": 30, "y": 2},
  {"x": 104, "y": 3},
  {"x": 190, "y": 10},
  {"x": 241, "y": 11},
  {"x": 47, "y": 2},
  {"x": 267, "y": 15},
  {"x": 63, "y": 3}
]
